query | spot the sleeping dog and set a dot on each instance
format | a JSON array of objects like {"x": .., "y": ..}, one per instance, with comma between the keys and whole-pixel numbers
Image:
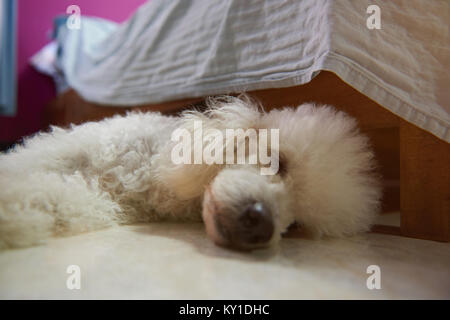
[{"x": 146, "y": 167}]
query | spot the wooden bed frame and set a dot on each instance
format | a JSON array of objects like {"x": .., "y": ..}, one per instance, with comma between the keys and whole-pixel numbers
[{"x": 415, "y": 165}]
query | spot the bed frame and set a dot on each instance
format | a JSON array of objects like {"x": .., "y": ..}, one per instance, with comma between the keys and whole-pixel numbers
[{"x": 415, "y": 165}]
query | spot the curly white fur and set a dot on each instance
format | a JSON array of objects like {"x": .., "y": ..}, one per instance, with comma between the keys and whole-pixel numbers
[{"x": 118, "y": 171}]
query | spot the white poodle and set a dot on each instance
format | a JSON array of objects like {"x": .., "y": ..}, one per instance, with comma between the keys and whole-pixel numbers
[{"x": 121, "y": 170}]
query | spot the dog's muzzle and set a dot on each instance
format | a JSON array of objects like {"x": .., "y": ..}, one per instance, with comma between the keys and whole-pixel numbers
[
  {"x": 251, "y": 228},
  {"x": 256, "y": 225}
]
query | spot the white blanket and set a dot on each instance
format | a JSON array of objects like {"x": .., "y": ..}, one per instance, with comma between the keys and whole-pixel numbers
[{"x": 181, "y": 48}]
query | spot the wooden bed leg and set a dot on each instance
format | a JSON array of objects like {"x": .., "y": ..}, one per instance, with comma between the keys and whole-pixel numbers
[{"x": 424, "y": 184}]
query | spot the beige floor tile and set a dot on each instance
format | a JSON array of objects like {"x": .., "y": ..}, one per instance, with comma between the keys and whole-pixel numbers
[{"x": 177, "y": 261}]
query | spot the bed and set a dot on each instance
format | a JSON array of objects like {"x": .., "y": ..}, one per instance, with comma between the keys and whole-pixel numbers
[
  {"x": 415, "y": 165},
  {"x": 172, "y": 54}
]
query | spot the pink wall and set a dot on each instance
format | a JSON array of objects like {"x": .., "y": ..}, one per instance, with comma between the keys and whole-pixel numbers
[{"x": 35, "y": 20}]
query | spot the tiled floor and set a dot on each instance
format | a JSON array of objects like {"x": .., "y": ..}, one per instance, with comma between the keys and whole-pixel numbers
[{"x": 177, "y": 261}]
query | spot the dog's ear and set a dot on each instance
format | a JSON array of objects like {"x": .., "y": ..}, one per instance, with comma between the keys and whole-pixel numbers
[
  {"x": 188, "y": 181},
  {"x": 226, "y": 112},
  {"x": 180, "y": 168}
]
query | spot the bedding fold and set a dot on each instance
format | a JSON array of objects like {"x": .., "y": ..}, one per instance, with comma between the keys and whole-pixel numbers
[{"x": 177, "y": 49}]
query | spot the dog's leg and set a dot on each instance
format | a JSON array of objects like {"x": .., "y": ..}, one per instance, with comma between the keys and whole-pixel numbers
[{"x": 36, "y": 206}]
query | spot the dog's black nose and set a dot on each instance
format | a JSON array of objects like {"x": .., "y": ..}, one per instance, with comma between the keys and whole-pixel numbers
[{"x": 256, "y": 224}]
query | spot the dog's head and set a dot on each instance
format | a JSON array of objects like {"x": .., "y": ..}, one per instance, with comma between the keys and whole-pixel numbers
[{"x": 307, "y": 165}]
